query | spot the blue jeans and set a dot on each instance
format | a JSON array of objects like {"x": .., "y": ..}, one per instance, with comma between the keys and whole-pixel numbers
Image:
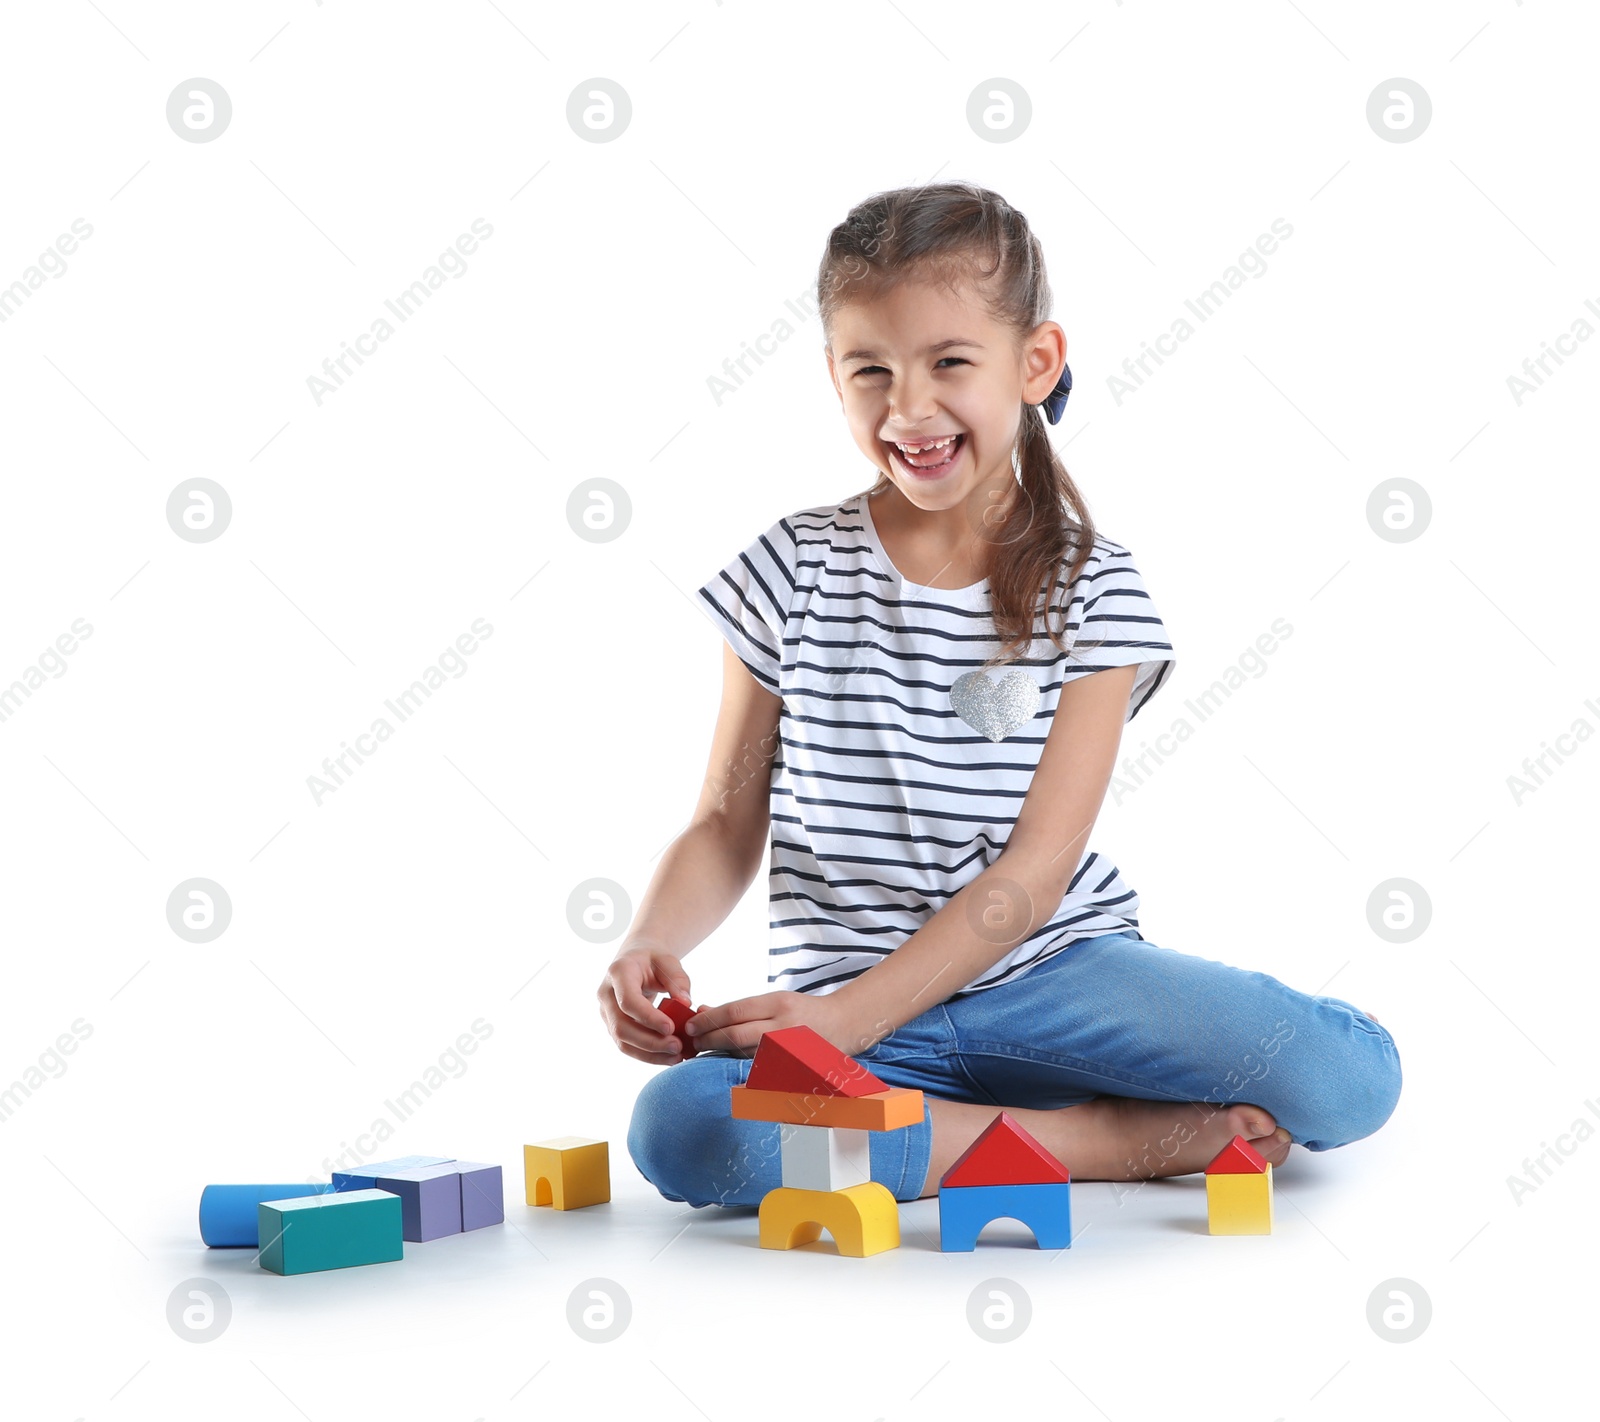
[{"x": 1109, "y": 1016}]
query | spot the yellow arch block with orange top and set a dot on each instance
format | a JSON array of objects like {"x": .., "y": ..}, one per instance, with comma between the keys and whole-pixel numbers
[{"x": 863, "y": 1220}]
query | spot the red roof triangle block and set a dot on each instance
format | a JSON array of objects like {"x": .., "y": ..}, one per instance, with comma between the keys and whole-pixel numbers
[
  {"x": 1238, "y": 1157},
  {"x": 1005, "y": 1154},
  {"x": 802, "y": 1060}
]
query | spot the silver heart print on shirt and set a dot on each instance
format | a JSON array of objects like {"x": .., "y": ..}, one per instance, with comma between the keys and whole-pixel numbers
[{"x": 995, "y": 709}]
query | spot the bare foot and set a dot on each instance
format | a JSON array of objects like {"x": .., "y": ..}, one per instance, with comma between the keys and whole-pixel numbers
[
  {"x": 1115, "y": 1137},
  {"x": 1121, "y": 1138}
]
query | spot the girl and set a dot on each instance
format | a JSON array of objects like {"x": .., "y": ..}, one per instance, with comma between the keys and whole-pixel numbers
[{"x": 935, "y": 909}]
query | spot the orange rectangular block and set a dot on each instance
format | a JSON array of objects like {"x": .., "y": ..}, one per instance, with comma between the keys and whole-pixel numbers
[{"x": 883, "y": 1111}]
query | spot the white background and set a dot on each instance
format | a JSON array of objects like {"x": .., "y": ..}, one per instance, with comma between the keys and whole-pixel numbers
[{"x": 431, "y": 890}]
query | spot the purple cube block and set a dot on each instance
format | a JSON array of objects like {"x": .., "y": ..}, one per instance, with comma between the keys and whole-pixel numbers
[
  {"x": 430, "y": 1201},
  {"x": 483, "y": 1196}
]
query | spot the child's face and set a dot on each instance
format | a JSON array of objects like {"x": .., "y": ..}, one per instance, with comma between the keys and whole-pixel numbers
[{"x": 901, "y": 383}]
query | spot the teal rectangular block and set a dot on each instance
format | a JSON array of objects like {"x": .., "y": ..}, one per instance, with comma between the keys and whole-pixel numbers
[{"x": 330, "y": 1231}]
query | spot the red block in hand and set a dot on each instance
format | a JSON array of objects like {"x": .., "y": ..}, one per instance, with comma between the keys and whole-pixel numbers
[{"x": 680, "y": 1014}]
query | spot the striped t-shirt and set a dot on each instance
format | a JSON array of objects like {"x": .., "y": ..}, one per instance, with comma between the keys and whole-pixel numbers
[{"x": 885, "y": 802}]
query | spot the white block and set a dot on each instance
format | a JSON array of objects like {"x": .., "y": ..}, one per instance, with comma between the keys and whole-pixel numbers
[{"x": 825, "y": 1157}]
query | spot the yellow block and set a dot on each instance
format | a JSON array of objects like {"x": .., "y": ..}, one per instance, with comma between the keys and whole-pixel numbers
[
  {"x": 1240, "y": 1204},
  {"x": 567, "y": 1172},
  {"x": 863, "y": 1220}
]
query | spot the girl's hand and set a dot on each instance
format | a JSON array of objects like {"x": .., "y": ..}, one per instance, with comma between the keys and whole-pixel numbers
[
  {"x": 737, "y": 1026},
  {"x": 641, "y": 1030}
]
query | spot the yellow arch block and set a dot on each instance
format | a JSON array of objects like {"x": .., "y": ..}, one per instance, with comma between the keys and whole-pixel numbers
[
  {"x": 567, "y": 1172},
  {"x": 1240, "y": 1204},
  {"x": 863, "y": 1220}
]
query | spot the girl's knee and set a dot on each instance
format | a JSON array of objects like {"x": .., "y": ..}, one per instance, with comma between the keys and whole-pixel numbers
[
  {"x": 683, "y": 1138},
  {"x": 1354, "y": 1101},
  {"x": 668, "y": 1115},
  {"x": 1380, "y": 1092},
  {"x": 651, "y": 1136}
]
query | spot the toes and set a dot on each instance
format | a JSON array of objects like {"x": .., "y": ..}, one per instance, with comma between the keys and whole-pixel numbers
[
  {"x": 1274, "y": 1148},
  {"x": 1257, "y": 1123}
]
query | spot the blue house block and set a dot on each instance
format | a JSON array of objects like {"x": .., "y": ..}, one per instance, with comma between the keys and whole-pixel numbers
[{"x": 965, "y": 1209}]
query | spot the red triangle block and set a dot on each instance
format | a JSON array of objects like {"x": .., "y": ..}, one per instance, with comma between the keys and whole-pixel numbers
[
  {"x": 800, "y": 1059},
  {"x": 1238, "y": 1157},
  {"x": 1005, "y": 1154}
]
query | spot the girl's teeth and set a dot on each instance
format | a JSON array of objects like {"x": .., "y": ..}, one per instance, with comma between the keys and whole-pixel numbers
[{"x": 930, "y": 456}]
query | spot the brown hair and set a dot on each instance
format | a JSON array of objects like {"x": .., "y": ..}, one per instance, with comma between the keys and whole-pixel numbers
[{"x": 949, "y": 232}]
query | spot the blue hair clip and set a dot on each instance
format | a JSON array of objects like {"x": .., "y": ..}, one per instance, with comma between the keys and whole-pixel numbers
[{"x": 1056, "y": 401}]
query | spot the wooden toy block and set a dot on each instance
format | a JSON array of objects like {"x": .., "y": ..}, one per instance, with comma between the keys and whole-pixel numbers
[
  {"x": 228, "y": 1213},
  {"x": 430, "y": 1200},
  {"x": 1238, "y": 1157},
  {"x": 886, "y": 1110},
  {"x": 1239, "y": 1203},
  {"x": 863, "y": 1220},
  {"x": 483, "y": 1194},
  {"x": 1005, "y": 1154},
  {"x": 1045, "y": 1209},
  {"x": 801, "y": 1059},
  {"x": 567, "y": 1172},
  {"x": 365, "y": 1177},
  {"x": 333, "y": 1231},
  {"x": 679, "y": 1015},
  {"x": 1239, "y": 1190},
  {"x": 824, "y": 1158}
]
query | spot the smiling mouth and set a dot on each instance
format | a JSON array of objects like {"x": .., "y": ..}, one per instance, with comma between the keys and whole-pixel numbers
[{"x": 930, "y": 458}]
